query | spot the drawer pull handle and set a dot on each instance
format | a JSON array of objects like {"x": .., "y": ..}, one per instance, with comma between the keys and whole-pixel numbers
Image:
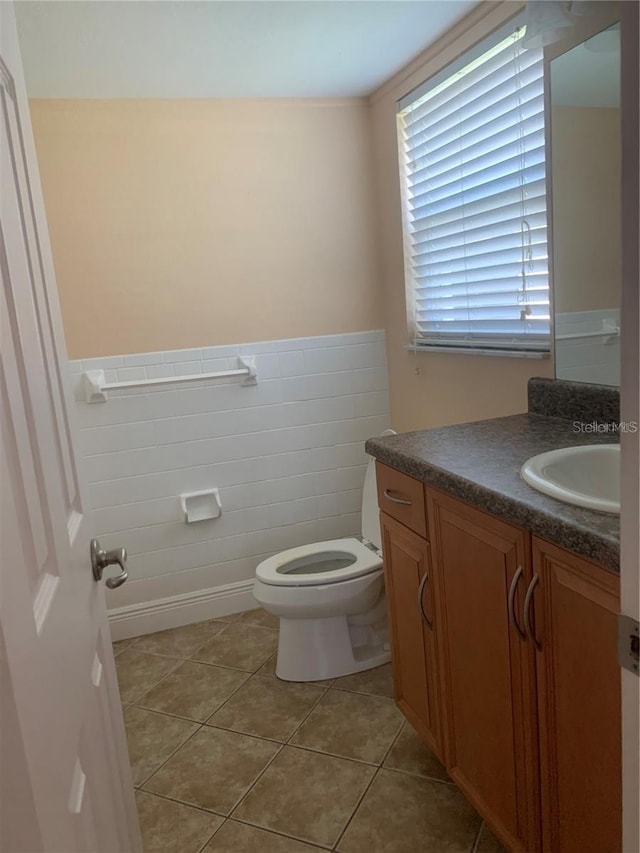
[
  {"x": 426, "y": 619},
  {"x": 512, "y": 597},
  {"x": 528, "y": 603},
  {"x": 396, "y": 500}
]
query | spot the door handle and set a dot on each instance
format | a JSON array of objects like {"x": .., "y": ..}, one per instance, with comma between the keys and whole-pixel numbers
[
  {"x": 528, "y": 603},
  {"x": 426, "y": 619},
  {"x": 100, "y": 559},
  {"x": 511, "y": 602}
]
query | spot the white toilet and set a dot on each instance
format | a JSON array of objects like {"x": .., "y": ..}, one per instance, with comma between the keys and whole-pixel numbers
[{"x": 330, "y": 600}]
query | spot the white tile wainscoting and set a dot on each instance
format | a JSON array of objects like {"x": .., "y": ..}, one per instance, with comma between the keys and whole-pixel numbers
[
  {"x": 287, "y": 455},
  {"x": 592, "y": 359}
]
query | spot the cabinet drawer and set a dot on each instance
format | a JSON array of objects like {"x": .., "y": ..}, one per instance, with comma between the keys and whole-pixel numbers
[{"x": 402, "y": 497}]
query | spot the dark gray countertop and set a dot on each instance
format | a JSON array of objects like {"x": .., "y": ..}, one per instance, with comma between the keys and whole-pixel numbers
[{"x": 480, "y": 463}]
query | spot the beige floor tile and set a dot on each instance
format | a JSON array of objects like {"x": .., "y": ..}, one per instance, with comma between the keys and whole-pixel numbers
[
  {"x": 488, "y": 843},
  {"x": 152, "y": 738},
  {"x": 236, "y": 837},
  {"x": 412, "y": 756},
  {"x": 240, "y": 646},
  {"x": 306, "y": 795},
  {"x": 180, "y": 642},
  {"x": 120, "y": 645},
  {"x": 351, "y": 725},
  {"x": 404, "y": 814},
  {"x": 230, "y": 617},
  {"x": 266, "y": 707},
  {"x": 138, "y": 672},
  {"x": 377, "y": 682},
  {"x": 171, "y": 827},
  {"x": 213, "y": 770},
  {"x": 260, "y": 617},
  {"x": 269, "y": 668},
  {"x": 193, "y": 690}
]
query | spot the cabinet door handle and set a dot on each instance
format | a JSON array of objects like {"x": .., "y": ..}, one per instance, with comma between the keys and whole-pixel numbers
[
  {"x": 395, "y": 500},
  {"x": 426, "y": 619},
  {"x": 528, "y": 603},
  {"x": 511, "y": 602}
]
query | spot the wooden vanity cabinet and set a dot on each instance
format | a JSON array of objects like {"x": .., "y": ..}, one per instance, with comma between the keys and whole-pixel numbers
[
  {"x": 579, "y": 706},
  {"x": 504, "y": 653},
  {"x": 409, "y": 589},
  {"x": 483, "y": 567}
]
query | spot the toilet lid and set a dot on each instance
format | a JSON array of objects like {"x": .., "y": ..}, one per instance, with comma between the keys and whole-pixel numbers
[{"x": 319, "y": 564}]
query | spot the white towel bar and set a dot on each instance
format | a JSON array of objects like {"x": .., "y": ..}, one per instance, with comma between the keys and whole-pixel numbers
[
  {"x": 608, "y": 333},
  {"x": 95, "y": 386}
]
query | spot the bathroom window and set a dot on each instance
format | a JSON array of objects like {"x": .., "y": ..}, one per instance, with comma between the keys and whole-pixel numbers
[{"x": 474, "y": 203}]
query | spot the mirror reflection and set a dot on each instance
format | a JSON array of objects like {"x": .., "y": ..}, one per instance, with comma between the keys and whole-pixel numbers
[{"x": 585, "y": 176}]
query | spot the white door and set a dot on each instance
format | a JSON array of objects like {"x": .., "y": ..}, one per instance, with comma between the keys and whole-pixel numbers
[{"x": 65, "y": 776}]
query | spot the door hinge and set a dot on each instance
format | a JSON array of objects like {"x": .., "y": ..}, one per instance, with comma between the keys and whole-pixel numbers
[{"x": 629, "y": 643}]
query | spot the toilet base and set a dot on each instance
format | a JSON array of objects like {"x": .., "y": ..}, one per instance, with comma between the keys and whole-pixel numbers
[{"x": 329, "y": 647}]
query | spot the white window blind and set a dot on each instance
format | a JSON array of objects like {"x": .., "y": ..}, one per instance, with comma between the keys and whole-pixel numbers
[{"x": 473, "y": 164}]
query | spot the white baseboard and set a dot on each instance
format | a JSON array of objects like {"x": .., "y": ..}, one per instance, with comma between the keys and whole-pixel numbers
[{"x": 149, "y": 616}]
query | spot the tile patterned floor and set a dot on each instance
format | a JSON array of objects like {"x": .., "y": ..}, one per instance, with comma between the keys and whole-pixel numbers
[{"x": 228, "y": 759}]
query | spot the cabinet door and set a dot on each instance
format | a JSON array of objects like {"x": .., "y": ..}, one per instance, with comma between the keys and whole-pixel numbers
[
  {"x": 409, "y": 589},
  {"x": 576, "y": 607},
  {"x": 488, "y": 668}
]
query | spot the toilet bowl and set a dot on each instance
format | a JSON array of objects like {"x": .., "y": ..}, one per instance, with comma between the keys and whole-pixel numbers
[{"x": 330, "y": 600}]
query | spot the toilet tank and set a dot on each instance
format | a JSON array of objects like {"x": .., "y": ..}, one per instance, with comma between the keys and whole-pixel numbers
[{"x": 370, "y": 518}]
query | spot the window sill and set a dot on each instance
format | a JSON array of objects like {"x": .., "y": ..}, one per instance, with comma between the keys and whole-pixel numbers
[{"x": 503, "y": 353}]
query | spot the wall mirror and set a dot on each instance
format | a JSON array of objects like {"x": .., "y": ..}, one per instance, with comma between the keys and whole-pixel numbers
[{"x": 585, "y": 156}]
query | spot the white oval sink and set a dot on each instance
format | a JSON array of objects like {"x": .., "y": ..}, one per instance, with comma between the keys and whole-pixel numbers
[{"x": 588, "y": 475}]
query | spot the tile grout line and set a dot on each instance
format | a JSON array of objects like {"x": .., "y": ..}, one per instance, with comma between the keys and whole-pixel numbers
[
  {"x": 244, "y": 435},
  {"x": 191, "y": 719},
  {"x": 311, "y": 749},
  {"x": 291, "y": 736},
  {"x": 179, "y": 662},
  {"x": 182, "y": 802},
  {"x": 420, "y": 776},
  {"x": 135, "y": 640},
  {"x": 476, "y": 843},
  {"x": 325, "y": 690},
  {"x": 160, "y": 766},
  {"x": 189, "y": 805},
  {"x": 240, "y": 534},
  {"x": 200, "y": 727},
  {"x": 366, "y": 790},
  {"x": 198, "y": 724},
  {"x": 281, "y": 747},
  {"x": 272, "y": 832},
  {"x": 124, "y": 530},
  {"x": 250, "y": 675},
  {"x": 132, "y": 703}
]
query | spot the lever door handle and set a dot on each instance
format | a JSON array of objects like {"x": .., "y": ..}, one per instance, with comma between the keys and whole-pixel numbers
[{"x": 100, "y": 559}]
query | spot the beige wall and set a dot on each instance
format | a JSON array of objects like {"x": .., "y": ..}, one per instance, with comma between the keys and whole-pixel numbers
[
  {"x": 431, "y": 389},
  {"x": 585, "y": 144},
  {"x": 196, "y": 223}
]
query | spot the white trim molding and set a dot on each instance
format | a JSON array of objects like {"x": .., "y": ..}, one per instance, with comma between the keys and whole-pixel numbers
[{"x": 132, "y": 620}]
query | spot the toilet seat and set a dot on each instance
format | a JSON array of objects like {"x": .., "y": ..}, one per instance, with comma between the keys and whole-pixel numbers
[{"x": 328, "y": 562}]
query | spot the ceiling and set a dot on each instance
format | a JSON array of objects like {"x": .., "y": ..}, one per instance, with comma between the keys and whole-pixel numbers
[{"x": 223, "y": 48}]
